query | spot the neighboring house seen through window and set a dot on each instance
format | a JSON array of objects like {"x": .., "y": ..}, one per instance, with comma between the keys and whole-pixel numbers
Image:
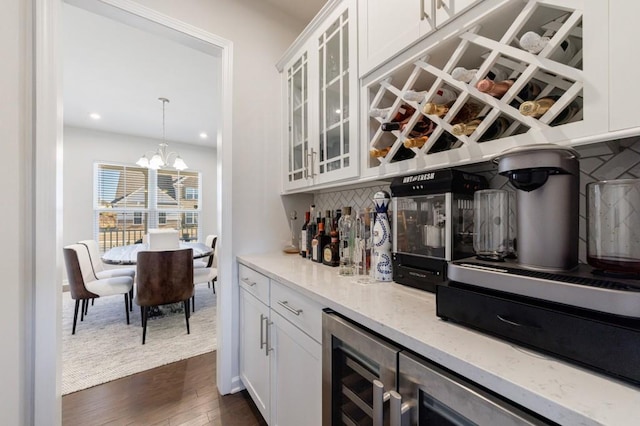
[{"x": 129, "y": 200}]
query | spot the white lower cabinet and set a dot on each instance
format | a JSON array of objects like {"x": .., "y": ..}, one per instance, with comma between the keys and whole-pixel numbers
[
  {"x": 296, "y": 375},
  {"x": 254, "y": 359},
  {"x": 280, "y": 350}
]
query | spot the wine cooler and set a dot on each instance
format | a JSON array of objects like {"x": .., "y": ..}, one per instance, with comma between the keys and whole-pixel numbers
[{"x": 370, "y": 381}]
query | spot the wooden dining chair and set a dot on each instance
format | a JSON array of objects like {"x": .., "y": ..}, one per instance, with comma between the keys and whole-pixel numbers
[
  {"x": 101, "y": 272},
  {"x": 164, "y": 277},
  {"x": 84, "y": 285}
]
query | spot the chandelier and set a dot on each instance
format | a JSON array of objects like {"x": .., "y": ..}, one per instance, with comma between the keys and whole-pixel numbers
[{"x": 161, "y": 159}]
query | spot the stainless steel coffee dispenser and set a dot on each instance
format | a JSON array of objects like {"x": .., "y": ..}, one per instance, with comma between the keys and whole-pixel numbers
[{"x": 546, "y": 179}]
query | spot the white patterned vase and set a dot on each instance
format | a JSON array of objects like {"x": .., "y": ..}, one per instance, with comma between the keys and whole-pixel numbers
[{"x": 381, "y": 238}]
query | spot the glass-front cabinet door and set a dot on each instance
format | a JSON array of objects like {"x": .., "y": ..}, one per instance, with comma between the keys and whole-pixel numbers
[
  {"x": 336, "y": 154},
  {"x": 297, "y": 122}
]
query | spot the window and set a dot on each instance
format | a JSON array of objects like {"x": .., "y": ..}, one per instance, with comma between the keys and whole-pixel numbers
[
  {"x": 190, "y": 193},
  {"x": 130, "y": 200}
]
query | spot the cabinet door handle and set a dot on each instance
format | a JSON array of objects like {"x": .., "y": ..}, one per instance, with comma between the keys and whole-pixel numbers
[
  {"x": 285, "y": 304},
  {"x": 248, "y": 282},
  {"x": 379, "y": 398},
  {"x": 262, "y": 318},
  {"x": 306, "y": 166},
  {"x": 268, "y": 347},
  {"x": 311, "y": 155},
  {"x": 423, "y": 11},
  {"x": 397, "y": 409}
]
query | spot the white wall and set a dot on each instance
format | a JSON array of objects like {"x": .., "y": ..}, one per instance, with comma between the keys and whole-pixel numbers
[
  {"x": 83, "y": 147},
  {"x": 14, "y": 137}
]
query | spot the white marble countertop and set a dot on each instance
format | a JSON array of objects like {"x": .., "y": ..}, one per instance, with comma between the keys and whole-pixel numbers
[{"x": 564, "y": 393}]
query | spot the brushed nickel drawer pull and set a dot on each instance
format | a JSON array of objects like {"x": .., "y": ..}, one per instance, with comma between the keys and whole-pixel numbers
[
  {"x": 248, "y": 282},
  {"x": 285, "y": 304}
]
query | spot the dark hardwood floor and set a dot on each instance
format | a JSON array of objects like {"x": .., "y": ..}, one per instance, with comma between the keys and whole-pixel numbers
[{"x": 181, "y": 393}]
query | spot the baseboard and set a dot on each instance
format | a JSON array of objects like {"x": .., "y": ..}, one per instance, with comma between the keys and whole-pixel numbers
[{"x": 236, "y": 384}]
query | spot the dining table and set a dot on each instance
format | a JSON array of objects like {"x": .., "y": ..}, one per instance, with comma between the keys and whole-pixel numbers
[{"x": 128, "y": 255}]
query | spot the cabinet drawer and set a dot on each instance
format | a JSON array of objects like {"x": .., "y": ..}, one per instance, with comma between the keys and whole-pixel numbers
[
  {"x": 301, "y": 311},
  {"x": 254, "y": 282}
]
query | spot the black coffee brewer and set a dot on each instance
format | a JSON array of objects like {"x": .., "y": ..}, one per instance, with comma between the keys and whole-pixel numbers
[{"x": 432, "y": 224}]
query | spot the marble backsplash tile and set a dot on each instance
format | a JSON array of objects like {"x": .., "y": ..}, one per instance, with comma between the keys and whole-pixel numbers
[{"x": 606, "y": 160}]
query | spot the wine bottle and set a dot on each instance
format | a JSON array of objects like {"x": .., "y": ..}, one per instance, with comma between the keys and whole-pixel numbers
[
  {"x": 423, "y": 127},
  {"x": 402, "y": 116},
  {"x": 311, "y": 229},
  {"x": 493, "y": 132},
  {"x": 401, "y": 154},
  {"x": 529, "y": 92},
  {"x": 444, "y": 142},
  {"x": 442, "y": 96},
  {"x": 303, "y": 234},
  {"x": 465, "y": 75},
  {"x": 535, "y": 43},
  {"x": 318, "y": 242},
  {"x": 379, "y": 112},
  {"x": 538, "y": 108},
  {"x": 466, "y": 113},
  {"x": 331, "y": 252}
]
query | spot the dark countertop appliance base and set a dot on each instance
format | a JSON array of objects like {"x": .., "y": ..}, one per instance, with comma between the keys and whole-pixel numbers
[{"x": 607, "y": 343}]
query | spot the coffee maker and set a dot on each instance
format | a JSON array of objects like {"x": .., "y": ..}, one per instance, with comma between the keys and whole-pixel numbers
[{"x": 432, "y": 224}]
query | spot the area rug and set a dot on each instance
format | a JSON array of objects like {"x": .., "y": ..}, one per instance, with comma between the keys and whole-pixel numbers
[{"x": 105, "y": 348}]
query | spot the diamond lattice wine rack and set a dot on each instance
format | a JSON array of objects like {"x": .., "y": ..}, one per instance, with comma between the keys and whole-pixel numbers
[{"x": 430, "y": 111}]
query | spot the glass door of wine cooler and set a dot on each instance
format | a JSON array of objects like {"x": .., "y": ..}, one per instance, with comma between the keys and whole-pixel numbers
[
  {"x": 357, "y": 369},
  {"x": 430, "y": 395}
]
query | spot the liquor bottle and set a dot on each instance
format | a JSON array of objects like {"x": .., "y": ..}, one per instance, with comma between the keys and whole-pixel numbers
[
  {"x": 529, "y": 92},
  {"x": 331, "y": 251},
  {"x": 494, "y": 131},
  {"x": 303, "y": 234},
  {"x": 465, "y": 75},
  {"x": 442, "y": 96},
  {"x": 534, "y": 43},
  {"x": 318, "y": 242},
  {"x": 336, "y": 219},
  {"x": 311, "y": 229},
  {"x": 538, "y": 108},
  {"x": 381, "y": 238},
  {"x": 345, "y": 234}
]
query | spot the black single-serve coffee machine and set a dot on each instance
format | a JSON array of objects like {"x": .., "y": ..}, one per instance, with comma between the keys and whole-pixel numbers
[{"x": 432, "y": 225}]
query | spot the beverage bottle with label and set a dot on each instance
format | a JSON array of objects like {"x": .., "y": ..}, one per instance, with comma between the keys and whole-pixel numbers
[
  {"x": 303, "y": 235},
  {"x": 401, "y": 154},
  {"x": 311, "y": 229},
  {"x": 465, "y": 75},
  {"x": 381, "y": 264},
  {"x": 331, "y": 251},
  {"x": 467, "y": 112},
  {"x": 346, "y": 237},
  {"x": 494, "y": 131},
  {"x": 318, "y": 242},
  {"x": 538, "y": 108},
  {"x": 444, "y": 142}
]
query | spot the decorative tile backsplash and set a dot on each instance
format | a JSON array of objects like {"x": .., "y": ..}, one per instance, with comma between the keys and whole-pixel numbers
[{"x": 618, "y": 159}]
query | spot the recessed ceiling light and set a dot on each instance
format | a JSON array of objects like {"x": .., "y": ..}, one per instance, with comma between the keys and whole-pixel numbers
[
  {"x": 203, "y": 135},
  {"x": 95, "y": 116}
]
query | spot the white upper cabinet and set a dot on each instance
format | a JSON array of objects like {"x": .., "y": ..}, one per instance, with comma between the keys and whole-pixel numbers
[
  {"x": 489, "y": 43},
  {"x": 320, "y": 82},
  {"x": 387, "y": 27}
]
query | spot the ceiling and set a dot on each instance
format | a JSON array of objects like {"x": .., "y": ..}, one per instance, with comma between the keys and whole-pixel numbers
[{"x": 119, "y": 71}]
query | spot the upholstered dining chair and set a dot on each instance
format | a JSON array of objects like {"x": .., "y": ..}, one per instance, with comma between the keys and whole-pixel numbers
[
  {"x": 164, "y": 277},
  {"x": 84, "y": 285},
  {"x": 101, "y": 272},
  {"x": 207, "y": 262},
  {"x": 208, "y": 274},
  {"x": 163, "y": 239}
]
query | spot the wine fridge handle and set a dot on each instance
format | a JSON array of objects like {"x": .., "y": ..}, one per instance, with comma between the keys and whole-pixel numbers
[
  {"x": 379, "y": 398},
  {"x": 397, "y": 409}
]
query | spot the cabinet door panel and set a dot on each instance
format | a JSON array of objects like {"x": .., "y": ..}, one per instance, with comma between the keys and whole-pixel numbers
[
  {"x": 386, "y": 28},
  {"x": 254, "y": 363},
  {"x": 296, "y": 376}
]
